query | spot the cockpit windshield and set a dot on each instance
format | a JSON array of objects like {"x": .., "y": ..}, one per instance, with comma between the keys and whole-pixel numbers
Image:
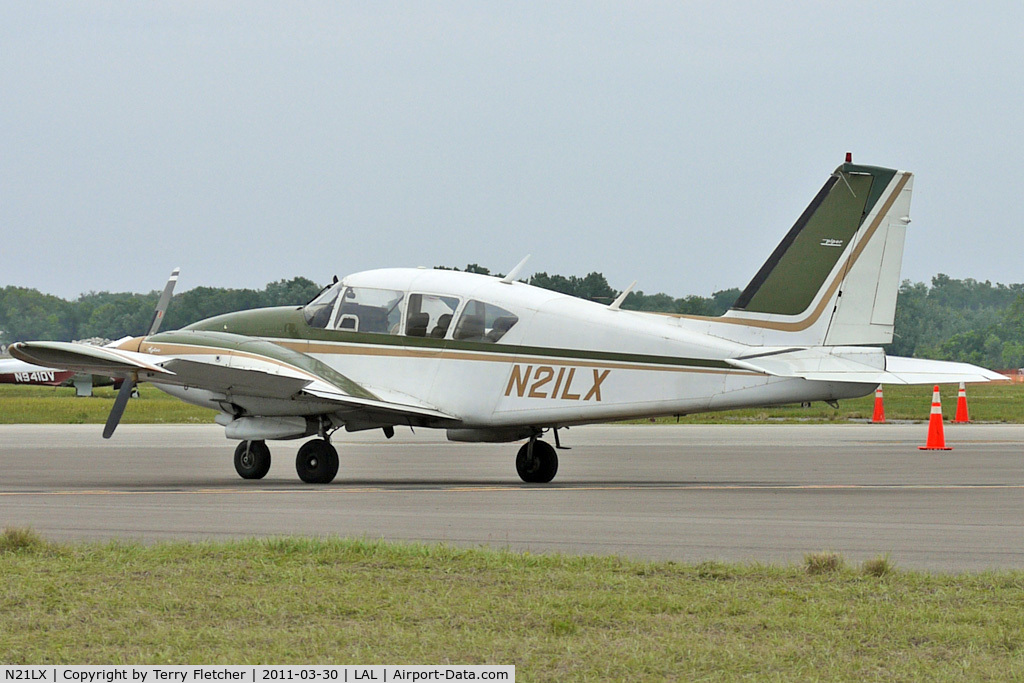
[
  {"x": 380, "y": 311},
  {"x": 318, "y": 311},
  {"x": 365, "y": 309}
]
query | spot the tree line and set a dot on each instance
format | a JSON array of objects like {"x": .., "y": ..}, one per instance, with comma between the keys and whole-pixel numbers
[
  {"x": 29, "y": 314},
  {"x": 950, "y": 319},
  {"x": 594, "y": 287}
]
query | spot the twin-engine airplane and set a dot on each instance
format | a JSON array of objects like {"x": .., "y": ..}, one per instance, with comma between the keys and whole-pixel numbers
[{"x": 493, "y": 359}]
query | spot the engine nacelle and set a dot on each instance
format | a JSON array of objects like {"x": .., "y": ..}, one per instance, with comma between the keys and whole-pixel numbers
[{"x": 263, "y": 428}]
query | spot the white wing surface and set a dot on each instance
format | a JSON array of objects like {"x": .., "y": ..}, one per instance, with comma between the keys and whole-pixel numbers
[
  {"x": 226, "y": 364},
  {"x": 864, "y": 365}
]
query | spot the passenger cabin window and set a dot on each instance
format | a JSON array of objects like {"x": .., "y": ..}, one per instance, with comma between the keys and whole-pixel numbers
[
  {"x": 429, "y": 315},
  {"x": 483, "y": 322},
  {"x": 318, "y": 311},
  {"x": 364, "y": 309}
]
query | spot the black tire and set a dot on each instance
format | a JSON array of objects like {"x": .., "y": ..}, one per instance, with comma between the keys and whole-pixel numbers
[
  {"x": 252, "y": 459},
  {"x": 317, "y": 462},
  {"x": 542, "y": 467}
]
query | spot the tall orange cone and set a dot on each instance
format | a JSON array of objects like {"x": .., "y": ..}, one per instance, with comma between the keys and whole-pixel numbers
[
  {"x": 879, "y": 416},
  {"x": 961, "y": 405},
  {"x": 936, "y": 440}
]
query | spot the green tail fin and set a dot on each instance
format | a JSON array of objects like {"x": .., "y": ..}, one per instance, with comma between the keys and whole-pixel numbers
[{"x": 800, "y": 266}]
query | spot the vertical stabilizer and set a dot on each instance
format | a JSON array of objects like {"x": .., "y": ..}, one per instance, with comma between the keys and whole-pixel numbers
[
  {"x": 866, "y": 305},
  {"x": 834, "y": 278}
]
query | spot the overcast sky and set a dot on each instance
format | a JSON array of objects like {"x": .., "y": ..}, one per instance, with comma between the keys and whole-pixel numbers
[{"x": 669, "y": 142}]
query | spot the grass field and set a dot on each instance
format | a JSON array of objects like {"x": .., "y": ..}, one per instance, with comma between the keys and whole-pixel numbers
[
  {"x": 553, "y": 617},
  {"x": 21, "y": 404},
  {"x": 988, "y": 403}
]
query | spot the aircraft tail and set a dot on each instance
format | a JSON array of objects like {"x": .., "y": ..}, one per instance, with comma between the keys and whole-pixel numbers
[{"x": 834, "y": 278}]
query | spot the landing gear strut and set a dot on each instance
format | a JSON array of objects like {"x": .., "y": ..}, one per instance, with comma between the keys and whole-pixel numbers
[
  {"x": 537, "y": 462},
  {"x": 252, "y": 459},
  {"x": 317, "y": 462}
]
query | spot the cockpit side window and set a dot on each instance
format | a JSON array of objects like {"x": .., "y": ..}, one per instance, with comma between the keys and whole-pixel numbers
[
  {"x": 484, "y": 322},
  {"x": 365, "y": 309},
  {"x": 429, "y": 315},
  {"x": 318, "y": 311}
]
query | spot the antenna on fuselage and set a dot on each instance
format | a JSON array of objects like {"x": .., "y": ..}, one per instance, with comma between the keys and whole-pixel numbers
[
  {"x": 514, "y": 273},
  {"x": 621, "y": 297}
]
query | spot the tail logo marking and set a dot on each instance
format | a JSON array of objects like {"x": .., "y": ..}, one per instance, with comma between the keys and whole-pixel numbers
[{"x": 831, "y": 243}]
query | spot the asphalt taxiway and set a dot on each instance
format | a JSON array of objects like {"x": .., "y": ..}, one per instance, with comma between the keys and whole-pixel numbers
[{"x": 767, "y": 493}]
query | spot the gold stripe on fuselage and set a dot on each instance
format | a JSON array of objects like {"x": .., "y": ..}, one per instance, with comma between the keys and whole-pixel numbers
[
  {"x": 340, "y": 348},
  {"x": 328, "y": 348}
]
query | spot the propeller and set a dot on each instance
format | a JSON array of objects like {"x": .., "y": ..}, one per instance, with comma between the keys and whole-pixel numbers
[
  {"x": 128, "y": 385},
  {"x": 123, "y": 394},
  {"x": 163, "y": 303}
]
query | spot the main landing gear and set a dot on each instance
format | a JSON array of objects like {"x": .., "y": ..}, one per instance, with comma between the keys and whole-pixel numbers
[
  {"x": 537, "y": 462},
  {"x": 316, "y": 461}
]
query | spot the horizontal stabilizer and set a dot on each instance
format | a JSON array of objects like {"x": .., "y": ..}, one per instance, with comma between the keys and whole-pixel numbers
[
  {"x": 861, "y": 365},
  {"x": 920, "y": 371}
]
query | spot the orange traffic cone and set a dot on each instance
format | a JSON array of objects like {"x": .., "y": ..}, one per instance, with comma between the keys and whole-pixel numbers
[
  {"x": 936, "y": 440},
  {"x": 879, "y": 416},
  {"x": 961, "y": 405}
]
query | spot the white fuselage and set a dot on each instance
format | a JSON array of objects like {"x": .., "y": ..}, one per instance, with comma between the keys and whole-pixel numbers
[{"x": 565, "y": 361}]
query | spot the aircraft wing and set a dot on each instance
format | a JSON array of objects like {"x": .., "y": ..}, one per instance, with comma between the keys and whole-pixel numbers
[
  {"x": 223, "y": 379},
  {"x": 865, "y": 365},
  {"x": 290, "y": 383},
  {"x": 98, "y": 360},
  {"x": 227, "y": 364}
]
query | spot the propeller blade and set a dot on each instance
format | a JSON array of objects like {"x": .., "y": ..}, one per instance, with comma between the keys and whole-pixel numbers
[
  {"x": 119, "y": 404},
  {"x": 161, "y": 305}
]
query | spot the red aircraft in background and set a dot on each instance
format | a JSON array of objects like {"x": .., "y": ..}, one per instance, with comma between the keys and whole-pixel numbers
[{"x": 14, "y": 371}]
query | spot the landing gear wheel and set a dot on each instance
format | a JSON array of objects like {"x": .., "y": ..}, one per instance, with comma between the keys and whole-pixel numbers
[
  {"x": 541, "y": 468},
  {"x": 252, "y": 459},
  {"x": 317, "y": 462}
]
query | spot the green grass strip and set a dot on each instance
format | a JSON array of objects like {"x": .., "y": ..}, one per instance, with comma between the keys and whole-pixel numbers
[
  {"x": 59, "y": 405},
  {"x": 1001, "y": 402},
  {"x": 554, "y": 617}
]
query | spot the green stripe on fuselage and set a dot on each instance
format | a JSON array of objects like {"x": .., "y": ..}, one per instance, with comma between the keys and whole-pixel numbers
[{"x": 289, "y": 323}]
